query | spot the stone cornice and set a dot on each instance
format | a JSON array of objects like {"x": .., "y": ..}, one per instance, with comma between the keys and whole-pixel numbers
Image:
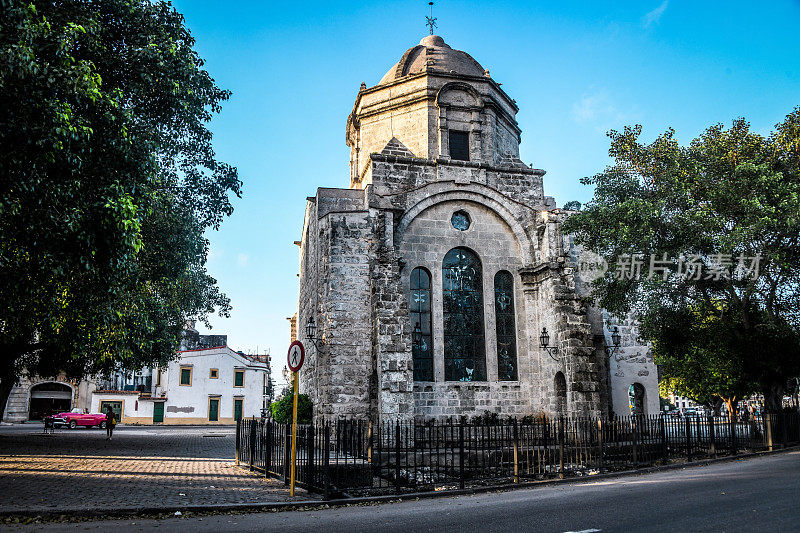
[
  {"x": 385, "y": 158},
  {"x": 536, "y": 274}
]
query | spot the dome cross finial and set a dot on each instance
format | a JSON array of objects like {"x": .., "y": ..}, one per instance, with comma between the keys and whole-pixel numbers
[{"x": 431, "y": 21}]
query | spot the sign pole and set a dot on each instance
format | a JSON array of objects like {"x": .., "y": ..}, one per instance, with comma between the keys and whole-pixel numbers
[
  {"x": 295, "y": 358},
  {"x": 294, "y": 432}
]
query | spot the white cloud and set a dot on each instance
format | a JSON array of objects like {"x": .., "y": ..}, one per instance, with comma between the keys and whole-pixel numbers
[
  {"x": 242, "y": 259},
  {"x": 654, "y": 16},
  {"x": 597, "y": 109}
]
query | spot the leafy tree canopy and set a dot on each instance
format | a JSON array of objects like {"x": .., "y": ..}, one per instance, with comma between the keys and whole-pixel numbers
[
  {"x": 282, "y": 409},
  {"x": 108, "y": 181},
  {"x": 729, "y": 196}
]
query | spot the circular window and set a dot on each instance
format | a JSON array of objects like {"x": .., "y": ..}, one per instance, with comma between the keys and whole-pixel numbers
[{"x": 460, "y": 220}]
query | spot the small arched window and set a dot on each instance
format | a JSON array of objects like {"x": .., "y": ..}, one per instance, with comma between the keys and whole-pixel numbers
[
  {"x": 505, "y": 327},
  {"x": 462, "y": 307},
  {"x": 419, "y": 310}
]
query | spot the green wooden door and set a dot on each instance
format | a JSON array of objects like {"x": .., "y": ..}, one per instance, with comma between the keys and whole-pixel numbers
[
  {"x": 213, "y": 410},
  {"x": 115, "y": 406},
  {"x": 158, "y": 412},
  {"x": 237, "y": 409}
]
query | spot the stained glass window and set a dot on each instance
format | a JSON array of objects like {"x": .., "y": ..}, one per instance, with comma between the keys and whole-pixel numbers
[
  {"x": 460, "y": 220},
  {"x": 419, "y": 310},
  {"x": 462, "y": 304},
  {"x": 506, "y": 331}
]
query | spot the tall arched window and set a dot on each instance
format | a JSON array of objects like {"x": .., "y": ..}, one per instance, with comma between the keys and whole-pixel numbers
[
  {"x": 561, "y": 394},
  {"x": 462, "y": 304},
  {"x": 506, "y": 331},
  {"x": 419, "y": 310}
]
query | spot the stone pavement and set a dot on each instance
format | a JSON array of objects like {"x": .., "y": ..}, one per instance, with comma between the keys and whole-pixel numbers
[{"x": 140, "y": 467}]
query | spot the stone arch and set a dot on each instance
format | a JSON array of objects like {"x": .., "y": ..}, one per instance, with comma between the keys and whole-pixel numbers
[
  {"x": 458, "y": 86},
  {"x": 560, "y": 397},
  {"x": 49, "y": 397},
  {"x": 484, "y": 196}
]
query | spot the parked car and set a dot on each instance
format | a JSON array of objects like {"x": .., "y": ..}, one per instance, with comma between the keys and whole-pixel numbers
[{"x": 73, "y": 420}]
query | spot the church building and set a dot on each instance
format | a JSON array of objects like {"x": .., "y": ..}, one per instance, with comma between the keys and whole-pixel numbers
[{"x": 430, "y": 284}]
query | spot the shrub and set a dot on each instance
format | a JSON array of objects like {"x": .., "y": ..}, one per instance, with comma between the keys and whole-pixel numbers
[{"x": 282, "y": 409}]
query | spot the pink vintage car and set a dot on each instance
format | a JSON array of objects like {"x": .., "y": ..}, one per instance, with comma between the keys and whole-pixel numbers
[{"x": 75, "y": 419}]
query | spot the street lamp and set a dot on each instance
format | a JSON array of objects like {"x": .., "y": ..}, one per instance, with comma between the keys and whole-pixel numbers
[
  {"x": 616, "y": 338},
  {"x": 544, "y": 341},
  {"x": 311, "y": 331}
]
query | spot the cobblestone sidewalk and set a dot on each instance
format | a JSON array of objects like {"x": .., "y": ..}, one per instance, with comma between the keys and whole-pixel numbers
[{"x": 80, "y": 469}]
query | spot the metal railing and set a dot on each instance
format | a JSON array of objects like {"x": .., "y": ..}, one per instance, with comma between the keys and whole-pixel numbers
[{"x": 353, "y": 457}]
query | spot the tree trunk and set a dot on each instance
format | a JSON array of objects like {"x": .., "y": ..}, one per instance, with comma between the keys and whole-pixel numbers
[
  {"x": 716, "y": 406},
  {"x": 773, "y": 395},
  {"x": 731, "y": 403}
]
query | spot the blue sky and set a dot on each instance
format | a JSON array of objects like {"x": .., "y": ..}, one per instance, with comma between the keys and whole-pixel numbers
[{"x": 576, "y": 69}]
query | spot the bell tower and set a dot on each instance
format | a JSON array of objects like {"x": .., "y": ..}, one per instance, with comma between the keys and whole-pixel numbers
[{"x": 436, "y": 103}]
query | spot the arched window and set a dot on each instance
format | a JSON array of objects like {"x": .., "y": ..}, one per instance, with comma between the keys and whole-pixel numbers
[
  {"x": 561, "y": 394},
  {"x": 506, "y": 331},
  {"x": 462, "y": 304},
  {"x": 636, "y": 397},
  {"x": 419, "y": 310}
]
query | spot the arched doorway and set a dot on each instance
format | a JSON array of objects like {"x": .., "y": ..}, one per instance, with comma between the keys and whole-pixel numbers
[
  {"x": 49, "y": 398},
  {"x": 636, "y": 399},
  {"x": 561, "y": 394}
]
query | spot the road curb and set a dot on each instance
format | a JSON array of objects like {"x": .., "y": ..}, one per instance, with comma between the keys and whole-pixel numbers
[{"x": 255, "y": 507}]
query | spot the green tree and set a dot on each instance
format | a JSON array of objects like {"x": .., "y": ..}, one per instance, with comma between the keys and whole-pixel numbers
[
  {"x": 730, "y": 193},
  {"x": 282, "y": 409},
  {"x": 108, "y": 181}
]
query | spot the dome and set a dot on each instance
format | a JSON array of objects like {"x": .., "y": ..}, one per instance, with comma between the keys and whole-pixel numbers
[{"x": 433, "y": 54}]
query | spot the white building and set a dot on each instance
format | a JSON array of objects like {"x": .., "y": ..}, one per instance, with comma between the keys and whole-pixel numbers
[{"x": 204, "y": 386}]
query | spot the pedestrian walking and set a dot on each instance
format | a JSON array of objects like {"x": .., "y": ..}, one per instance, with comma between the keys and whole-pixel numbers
[{"x": 111, "y": 421}]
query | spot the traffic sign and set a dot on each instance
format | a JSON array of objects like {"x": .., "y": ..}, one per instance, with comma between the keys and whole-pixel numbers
[{"x": 296, "y": 356}]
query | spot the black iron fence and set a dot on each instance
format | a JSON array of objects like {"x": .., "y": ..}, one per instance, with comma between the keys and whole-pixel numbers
[{"x": 353, "y": 457}]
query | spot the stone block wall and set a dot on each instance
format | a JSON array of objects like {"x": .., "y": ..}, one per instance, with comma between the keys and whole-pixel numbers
[{"x": 336, "y": 251}]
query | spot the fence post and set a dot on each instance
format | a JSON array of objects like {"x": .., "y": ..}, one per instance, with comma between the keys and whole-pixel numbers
[
  {"x": 699, "y": 434},
  {"x": 634, "y": 427},
  {"x": 662, "y": 423},
  {"x": 712, "y": 437},
  {"x": 601, "y": 455},
  {"x": 238, "y": 442},
  {"x": 732, "y": 431},
  {"x": 369, "y": 443},
  {"x": 268, "y": 446},
  {"x": 397, "y": 457},
  {"x": 768, "y": 419},
  {"x": 561, "y": 447},
  {"x": 688, "y": 426},
  {"x": 327, "y": 461},
  {"x": 252, "y": 443},
  {"x": 516, "y": 452},
  {"x": 461, "y": 455}
]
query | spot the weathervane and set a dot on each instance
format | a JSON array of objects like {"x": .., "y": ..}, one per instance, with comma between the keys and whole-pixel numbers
[{"x": 431, "y": 20}]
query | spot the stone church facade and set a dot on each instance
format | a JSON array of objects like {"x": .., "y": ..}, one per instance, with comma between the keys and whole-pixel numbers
[{"x": 431, "y": 277}]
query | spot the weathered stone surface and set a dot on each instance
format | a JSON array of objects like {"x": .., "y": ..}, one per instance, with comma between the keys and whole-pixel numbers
[{"x": 360, "y": 245}]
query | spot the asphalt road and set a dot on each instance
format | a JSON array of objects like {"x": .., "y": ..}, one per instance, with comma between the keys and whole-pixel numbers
[{"x": 757, "y": 494}]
